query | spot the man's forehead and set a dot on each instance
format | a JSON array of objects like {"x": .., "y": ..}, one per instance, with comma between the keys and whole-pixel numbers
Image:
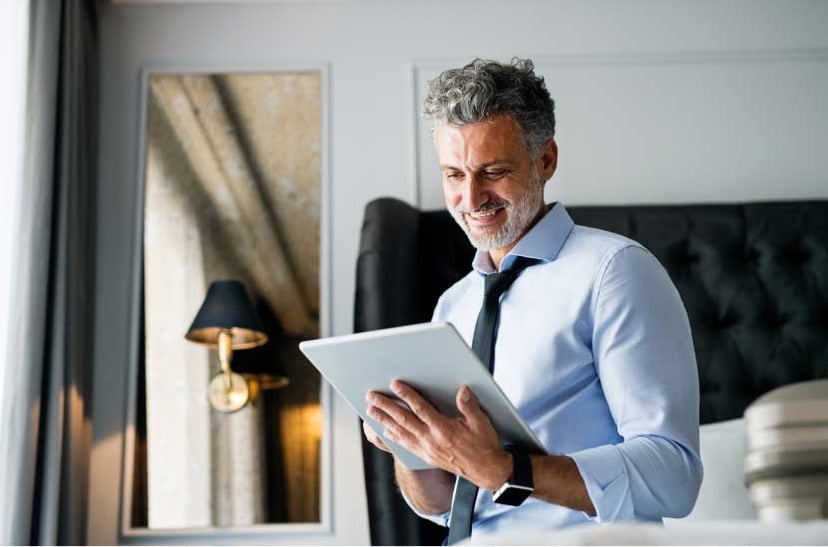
[{"x": 494, "y": 140}]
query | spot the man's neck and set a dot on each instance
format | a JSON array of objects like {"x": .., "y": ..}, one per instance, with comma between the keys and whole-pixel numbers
[{"x": 497, "y": 255}]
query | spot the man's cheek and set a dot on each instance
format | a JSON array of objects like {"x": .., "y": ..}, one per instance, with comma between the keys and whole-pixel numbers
[{"x": 452, "y": 198}]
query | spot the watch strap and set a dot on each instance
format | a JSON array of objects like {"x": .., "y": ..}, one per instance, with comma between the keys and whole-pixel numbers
[{"x": 522, "y": 468}]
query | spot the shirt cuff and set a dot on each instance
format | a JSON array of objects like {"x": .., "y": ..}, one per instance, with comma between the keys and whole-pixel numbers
[
  {"x": 607, "y": 482},
  {"x": 441, "y": 519}
]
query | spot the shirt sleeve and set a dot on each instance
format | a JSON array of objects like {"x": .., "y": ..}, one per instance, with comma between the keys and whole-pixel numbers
[
  {"x": 645, "y": 361},
  {"x": 442, "y": 519},
  {"x": 439, "y": 311}
]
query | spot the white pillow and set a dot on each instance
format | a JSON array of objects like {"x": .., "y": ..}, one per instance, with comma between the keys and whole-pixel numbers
[{"x": 723, "y": 495}]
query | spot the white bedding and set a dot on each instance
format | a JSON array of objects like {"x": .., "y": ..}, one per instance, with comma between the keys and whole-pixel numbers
[
  {"x": 684, "y": 533},
  {"x": 722, "y": 516},
  {"x": 723, "y": 494}
]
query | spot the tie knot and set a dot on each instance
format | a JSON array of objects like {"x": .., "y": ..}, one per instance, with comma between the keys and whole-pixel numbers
[{"x": 498, "y": 283}]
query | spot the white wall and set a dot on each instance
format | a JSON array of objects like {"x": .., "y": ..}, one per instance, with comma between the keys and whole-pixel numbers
[{"x": 658, "y": 101}]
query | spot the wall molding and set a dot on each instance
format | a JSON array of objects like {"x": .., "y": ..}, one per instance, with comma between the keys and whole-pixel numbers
[
  {"x": 815, "y": 54},
  {"x": 609, "y": 59}
]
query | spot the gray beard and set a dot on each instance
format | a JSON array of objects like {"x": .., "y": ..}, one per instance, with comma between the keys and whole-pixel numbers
[{"x": 518, "y": 217}]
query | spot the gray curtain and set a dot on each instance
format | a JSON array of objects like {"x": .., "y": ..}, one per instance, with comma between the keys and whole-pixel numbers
[
  {"x": 46, "y": 404},
  {"x": 65, "y": 431}
]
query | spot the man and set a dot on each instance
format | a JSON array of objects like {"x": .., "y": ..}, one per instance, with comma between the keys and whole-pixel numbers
[{"x": 592, "y": 347}]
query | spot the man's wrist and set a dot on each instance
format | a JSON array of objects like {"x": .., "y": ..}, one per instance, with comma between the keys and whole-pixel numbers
[
  {"x": 521, "y": 484},
  {"x": 501, "y": 470}
]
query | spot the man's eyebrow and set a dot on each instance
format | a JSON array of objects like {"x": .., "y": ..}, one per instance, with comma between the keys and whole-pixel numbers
[{"x": 445, "y": 167}]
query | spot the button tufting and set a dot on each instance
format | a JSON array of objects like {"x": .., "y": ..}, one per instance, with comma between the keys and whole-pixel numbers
[
  {"x": 776, "y": 321},
  {"x": 794, "y": 253},
  {"x": 800, "y": 256},
  {"x": 728, "y": 321}
]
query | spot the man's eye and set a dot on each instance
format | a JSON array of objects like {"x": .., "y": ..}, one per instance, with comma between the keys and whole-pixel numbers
[
  {"x": 454, "y": 176},
  {"x": 496, "y": 174}
]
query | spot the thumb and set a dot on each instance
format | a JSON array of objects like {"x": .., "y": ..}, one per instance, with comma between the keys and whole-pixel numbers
[{"x": 469, "y": 406}]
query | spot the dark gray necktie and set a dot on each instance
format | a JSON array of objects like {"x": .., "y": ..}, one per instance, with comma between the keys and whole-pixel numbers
[{"x": 485, "y": 333}]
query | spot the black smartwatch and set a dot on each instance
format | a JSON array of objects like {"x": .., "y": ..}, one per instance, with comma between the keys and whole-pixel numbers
[{"x": 520, "y": 486}]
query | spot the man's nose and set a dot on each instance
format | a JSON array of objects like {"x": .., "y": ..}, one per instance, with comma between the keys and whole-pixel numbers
[{"x": 474, "y": 195}]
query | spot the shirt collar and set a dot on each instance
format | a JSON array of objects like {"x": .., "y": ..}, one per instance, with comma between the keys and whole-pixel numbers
[{"x": 542, "y": 242}]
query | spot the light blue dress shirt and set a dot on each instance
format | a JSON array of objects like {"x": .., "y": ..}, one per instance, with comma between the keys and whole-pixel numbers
[{"x": 594, "y": 351}]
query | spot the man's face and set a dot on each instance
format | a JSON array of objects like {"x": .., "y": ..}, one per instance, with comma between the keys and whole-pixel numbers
[{"x": 492, "y": 185}]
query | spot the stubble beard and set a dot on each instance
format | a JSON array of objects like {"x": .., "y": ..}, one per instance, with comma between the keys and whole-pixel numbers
[{"x": 519, "y": 215}]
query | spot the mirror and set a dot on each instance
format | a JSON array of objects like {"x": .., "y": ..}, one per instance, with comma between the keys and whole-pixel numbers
[{"x": 232, "y": 191}]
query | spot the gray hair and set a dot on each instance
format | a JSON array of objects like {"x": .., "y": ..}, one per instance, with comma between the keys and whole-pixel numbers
[{"x": 483, "y": 89}]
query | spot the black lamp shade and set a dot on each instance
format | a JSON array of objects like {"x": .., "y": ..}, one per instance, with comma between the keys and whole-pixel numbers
[{"x": 227, "y": 307}]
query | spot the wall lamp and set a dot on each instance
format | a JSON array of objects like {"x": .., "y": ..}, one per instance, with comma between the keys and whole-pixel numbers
[{"x": 227, "y": 322}]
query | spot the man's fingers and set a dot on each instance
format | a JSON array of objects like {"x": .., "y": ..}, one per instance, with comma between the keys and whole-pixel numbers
[
  {"x": 373, "y": 438},
  {"x": 469, "y": 407},
  {"x": 390, "y": 413},
  {"x": 424, "y": 410},
  {"x": 392, "y": 430},
  {"x": 403, "y": 437}
]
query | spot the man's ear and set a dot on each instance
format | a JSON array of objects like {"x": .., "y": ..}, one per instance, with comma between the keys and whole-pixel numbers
[{"x": 548, "y": 159}]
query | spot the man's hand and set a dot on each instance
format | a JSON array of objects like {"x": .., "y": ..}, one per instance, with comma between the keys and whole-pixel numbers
[
  {"x": 467, "y": 445},
  {"x": 373, "y": 438},
  {"x": 430, "y": 490}
]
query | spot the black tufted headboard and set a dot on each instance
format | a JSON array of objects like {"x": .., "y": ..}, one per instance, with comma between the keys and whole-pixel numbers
[
  {"x": 753, "y": 277},
  {"x": 754, "y": 280}
]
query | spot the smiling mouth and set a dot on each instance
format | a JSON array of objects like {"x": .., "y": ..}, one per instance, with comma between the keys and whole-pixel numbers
[{"x": 485, "y": 217}]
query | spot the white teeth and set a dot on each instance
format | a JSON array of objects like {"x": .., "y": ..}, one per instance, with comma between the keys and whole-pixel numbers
[{"x": 485, "y": 215}]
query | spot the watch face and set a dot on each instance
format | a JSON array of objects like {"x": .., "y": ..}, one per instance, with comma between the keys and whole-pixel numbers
[{"x": 512, "y": 495}]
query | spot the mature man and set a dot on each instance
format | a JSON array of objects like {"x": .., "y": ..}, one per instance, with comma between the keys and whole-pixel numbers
[{"x": 592, "y": 343}]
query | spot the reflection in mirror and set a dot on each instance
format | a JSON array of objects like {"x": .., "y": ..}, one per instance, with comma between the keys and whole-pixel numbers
[{"x": 232, "y": 192}]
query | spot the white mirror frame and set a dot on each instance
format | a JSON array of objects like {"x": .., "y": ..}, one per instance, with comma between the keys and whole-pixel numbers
[{"x": 291, "y": 532}]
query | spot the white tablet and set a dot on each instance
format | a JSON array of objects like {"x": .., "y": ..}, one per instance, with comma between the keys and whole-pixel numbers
[{"x": 433, "y": 359}]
